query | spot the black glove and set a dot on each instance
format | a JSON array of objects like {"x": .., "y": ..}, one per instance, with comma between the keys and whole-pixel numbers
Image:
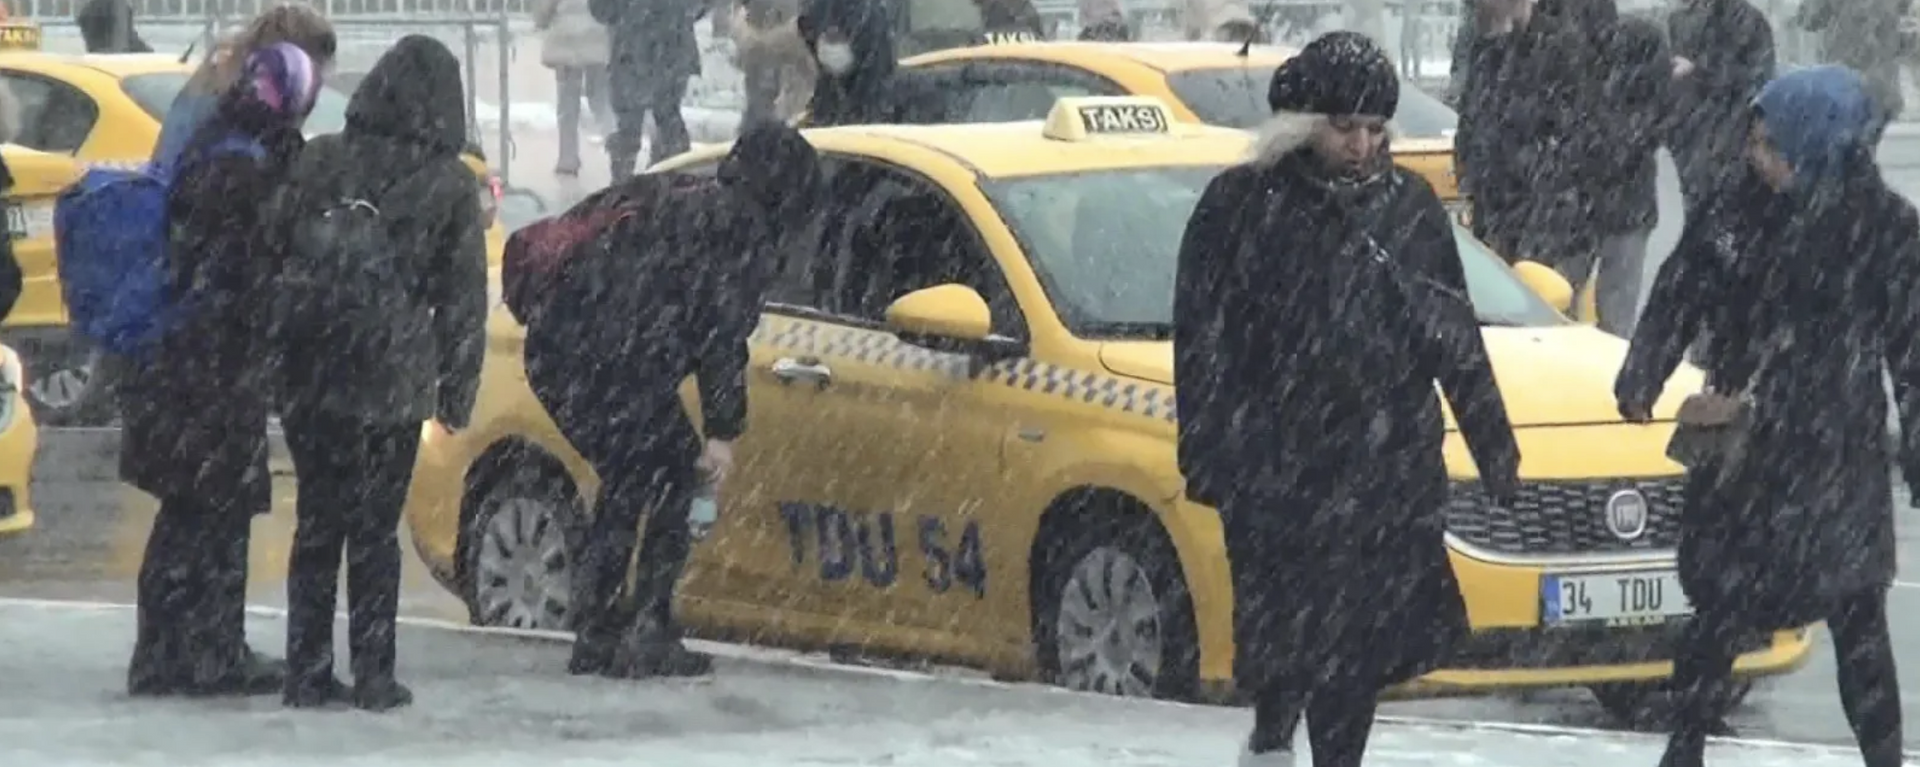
[{"x": 1501, "y": 480}]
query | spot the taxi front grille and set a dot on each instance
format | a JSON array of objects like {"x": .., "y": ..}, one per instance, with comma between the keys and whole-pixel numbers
[{"x": 1563, "y": 517}]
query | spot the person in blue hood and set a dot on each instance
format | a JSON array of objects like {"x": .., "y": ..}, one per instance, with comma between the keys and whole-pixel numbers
[
  {"x": 295, "y": 23},
  {"x": 1803, "y": 278}
]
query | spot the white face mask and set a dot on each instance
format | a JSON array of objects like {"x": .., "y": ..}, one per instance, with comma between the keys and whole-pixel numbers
[{"x": 836, "y": 57}]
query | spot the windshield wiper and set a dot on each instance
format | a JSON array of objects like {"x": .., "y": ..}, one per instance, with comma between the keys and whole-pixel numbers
[{"x": 1151, "y": 331}]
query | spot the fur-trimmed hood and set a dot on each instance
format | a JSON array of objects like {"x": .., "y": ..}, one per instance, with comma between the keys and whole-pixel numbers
[{"x": 1287, "y": 132}]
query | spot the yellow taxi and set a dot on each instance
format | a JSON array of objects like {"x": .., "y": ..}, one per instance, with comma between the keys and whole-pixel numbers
[
  {"x": 961, "y": 441},
  {"x": 80, "y": 110}
]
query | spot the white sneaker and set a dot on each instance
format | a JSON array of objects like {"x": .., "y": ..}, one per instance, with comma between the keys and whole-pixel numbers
[{"x": 1268, "y": 759}]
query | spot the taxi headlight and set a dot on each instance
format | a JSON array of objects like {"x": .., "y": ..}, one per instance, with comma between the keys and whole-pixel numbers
[{"x": 13, "y": 376}]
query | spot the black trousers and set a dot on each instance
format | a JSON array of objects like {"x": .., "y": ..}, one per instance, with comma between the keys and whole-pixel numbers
[
  {"x": 192, "y": 595},
  {"x": 1863, "y": 651},
  {"x": 353, "y": 478},
  {"x": 1338, "y": 713},
  {"x": 636, "y": 96},
  {"x": 645, "y": 494}
]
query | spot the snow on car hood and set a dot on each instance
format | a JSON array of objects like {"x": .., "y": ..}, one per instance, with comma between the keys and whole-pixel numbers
[{"x": 1549, "y": 376}]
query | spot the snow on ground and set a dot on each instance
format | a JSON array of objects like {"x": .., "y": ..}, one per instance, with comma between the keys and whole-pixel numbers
[{"x": 493, "y": 698}]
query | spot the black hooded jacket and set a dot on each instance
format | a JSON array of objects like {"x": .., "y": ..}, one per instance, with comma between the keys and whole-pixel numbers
[
  {"x": 875, "y": 90},
  {"x": 406, "y": 128},
  {"x": 1731, "y": 46},
  {"x": 652, "y": 37},
  {"x": 1636, "y": 64},
  {"x": 1524, "y": 140},
  {"x": 107, "y": 27},
  {"x": 673, "y": 293}
]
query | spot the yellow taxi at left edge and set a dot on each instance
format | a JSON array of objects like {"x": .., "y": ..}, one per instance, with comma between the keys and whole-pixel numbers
[
  {"x": 85, "y": 110},
  {"x": 960, "y": 443},
  {"x": 19, "y": 435}
]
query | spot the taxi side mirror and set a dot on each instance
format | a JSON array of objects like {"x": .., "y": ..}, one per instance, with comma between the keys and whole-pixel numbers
[
  {"x": 1547, "y": 284},
  {"x": 950, "y": 312}
]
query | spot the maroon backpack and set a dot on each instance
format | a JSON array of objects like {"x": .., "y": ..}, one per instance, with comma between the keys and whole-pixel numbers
[{"x": 537, "y": 255}]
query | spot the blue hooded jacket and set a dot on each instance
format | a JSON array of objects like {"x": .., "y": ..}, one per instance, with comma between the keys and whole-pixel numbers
[
  {"x": 1817, "y": 118},
  {"x": 184, "y": 117}
]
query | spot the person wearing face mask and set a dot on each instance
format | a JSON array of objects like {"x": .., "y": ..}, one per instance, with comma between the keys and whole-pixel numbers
[
  {"x": 860, "y": 82},
  {"x": 1308, "y": 416},
  {"x": 1801, "y": 277},
  {"x": 672, "y": 292}
]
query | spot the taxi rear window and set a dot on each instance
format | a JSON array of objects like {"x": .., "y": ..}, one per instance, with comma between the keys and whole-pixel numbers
[
  {"x": 154, "y": 93},
  {"x": 1236, "y": 97}
]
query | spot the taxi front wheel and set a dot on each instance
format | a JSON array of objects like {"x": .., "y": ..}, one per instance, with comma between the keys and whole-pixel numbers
[
  {"x": 1650, "y": 705},
  {"x": 1113, "y": 613}
]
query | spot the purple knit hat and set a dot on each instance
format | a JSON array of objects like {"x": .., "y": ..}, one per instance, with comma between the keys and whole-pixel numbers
[{"x": 283, "y": 78}]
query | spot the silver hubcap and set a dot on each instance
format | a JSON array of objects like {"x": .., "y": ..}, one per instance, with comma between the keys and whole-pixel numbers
[
  {"x": 521, "y": 576},
  {"x": 61, "y": 388},
  {"x": 1108, "y": 632}
]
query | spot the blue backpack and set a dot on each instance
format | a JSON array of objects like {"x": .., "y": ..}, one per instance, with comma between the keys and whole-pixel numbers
[{"x": 110, "y": 238}]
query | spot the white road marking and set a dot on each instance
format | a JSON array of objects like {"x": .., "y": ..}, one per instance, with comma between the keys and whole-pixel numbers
[{"x": 770, "y": 656}]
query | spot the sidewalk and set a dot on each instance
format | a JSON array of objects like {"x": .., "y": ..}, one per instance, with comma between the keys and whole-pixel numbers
[{"x": 492, "y": 698}]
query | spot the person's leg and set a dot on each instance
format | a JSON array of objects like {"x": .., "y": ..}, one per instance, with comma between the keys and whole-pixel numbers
[
  {"x": 630, "y": 116},
  {"x": 1702, "y": 677},
  {"x": 670, "y": 126},
  {"x": 601, "y": 615},
  {"x": 167, "y": 585},
  {"x": 655, "y": 647},
  {"x": 1869, "y": 688},
  {"x": 1339, "y": 721},
  {"x": 1277, "y": 711},
  {"x": 1623, "y": 260},
  {"x": 322, "y": 499},
  {"x": 385, "y": 466},
  {"x": 568, "y": 86},
  {"x": 599, "y": 98}
]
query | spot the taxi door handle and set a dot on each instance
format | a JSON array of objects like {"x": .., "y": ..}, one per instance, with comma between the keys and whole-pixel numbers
[{"x": 789, "y": 370}]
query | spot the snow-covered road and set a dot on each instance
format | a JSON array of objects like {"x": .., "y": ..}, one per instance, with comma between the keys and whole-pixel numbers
[{"x": 488, "y": 698}]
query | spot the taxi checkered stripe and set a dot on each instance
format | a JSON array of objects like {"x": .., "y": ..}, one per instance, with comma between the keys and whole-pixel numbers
[{"x": 1098, "y": 389}]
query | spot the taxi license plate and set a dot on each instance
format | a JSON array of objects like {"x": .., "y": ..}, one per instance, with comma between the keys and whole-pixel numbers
[
  {"x": 16, "y": 221},
  {"x": 1650, "y": 596}
]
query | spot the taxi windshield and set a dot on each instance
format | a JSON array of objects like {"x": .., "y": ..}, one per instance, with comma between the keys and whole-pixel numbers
[
  {"x": 1236, "y": 97},
  {"x": 1105, "y": 245},
  {"x": 154, "y": 93}
]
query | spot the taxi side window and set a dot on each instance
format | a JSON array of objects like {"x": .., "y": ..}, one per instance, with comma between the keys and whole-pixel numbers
[
  {"x": 1007, "y": 92},
  {"x": 54, "y": 116},
  {"x": 898, "y": 233}
]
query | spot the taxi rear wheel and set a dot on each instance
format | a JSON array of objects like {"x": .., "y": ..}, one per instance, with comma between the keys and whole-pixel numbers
[
  {"x": 518, "y": 551},
  {"x": 1650, "y": 705},
  {"x": 1113, "y": 614}
]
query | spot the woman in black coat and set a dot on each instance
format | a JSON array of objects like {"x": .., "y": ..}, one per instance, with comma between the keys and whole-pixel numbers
[
  {"x": 1804, "y": 281},
  {"x": 195, "y": 417},
  {"x": 1319, "y": 296}
]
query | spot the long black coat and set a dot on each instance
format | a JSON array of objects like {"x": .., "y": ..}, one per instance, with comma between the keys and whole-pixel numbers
[
  {"x": 652, "y": 42},
  {"x": 195, "y": 416},
  {"x": 1815, "y": 299},
  {"x": 1307, "y": 339},
  {"x": 1731, "y": 46},
  {"x": 1525, "y": 141},
  {"x": 1636, "y": 63}
]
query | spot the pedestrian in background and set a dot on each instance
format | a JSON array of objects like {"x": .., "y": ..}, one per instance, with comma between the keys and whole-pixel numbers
[
  {"x": 1105, "y": 21},
  {"x": 1525, "y": 138},
  {"x": 777, "y": 69},
  {"x": 1801, "y": 275},
  {"x": 195, "y": 416},
  {"x": 1722, "y": 54},
  {"x": 670, "y": 293},
  {"x": 860, "y": 81},
  {"x": 1864, "y": 35},
  {"x": 107, "y": 27},
  {"x": 404, "y": 308},
  {"x": 1308, "y": 416},
  {"x": 575, "y": 47},
  {"x": 653, "y": 54}
]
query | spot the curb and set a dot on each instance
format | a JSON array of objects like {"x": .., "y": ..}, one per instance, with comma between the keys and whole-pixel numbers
[{"x": 819, "y": 663}]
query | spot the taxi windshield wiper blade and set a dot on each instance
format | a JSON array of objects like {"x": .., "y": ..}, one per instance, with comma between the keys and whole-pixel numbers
[{"x": 1154, "y": 331}]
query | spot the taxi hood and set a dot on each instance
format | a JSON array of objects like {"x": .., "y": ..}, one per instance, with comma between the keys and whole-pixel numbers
[{"x": 1550, "y": 376}]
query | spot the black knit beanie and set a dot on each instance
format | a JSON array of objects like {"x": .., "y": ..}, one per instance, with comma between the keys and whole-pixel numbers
[{"x": 1341, "y": 73}]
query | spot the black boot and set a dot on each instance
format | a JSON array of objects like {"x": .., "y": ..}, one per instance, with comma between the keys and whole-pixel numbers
[
  {"x": 652, "y": 650},
  {"x": 252, "y": 674},
  {"x": 591, "y": 655},
  {"x": 319, "y": 691},
  {"x": 156, "y": 668},
  {"x": 382, "y": 694}
]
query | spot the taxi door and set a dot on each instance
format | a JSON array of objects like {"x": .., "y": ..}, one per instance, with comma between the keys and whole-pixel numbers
[{"x": 897, "y": 542}]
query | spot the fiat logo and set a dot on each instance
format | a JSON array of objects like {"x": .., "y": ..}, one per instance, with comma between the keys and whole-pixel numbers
[{"x": 1627, "y": 515}]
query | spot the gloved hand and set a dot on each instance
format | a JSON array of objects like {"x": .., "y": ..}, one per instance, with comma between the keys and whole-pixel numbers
[
  {"x": 1635, "y": 411},
  {"x": 1501, "y": 481}
]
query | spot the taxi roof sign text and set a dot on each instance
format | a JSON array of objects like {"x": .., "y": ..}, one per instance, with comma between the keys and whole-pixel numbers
[
  {"x": 1082, "y": 118},
  {"x": 19, "y": 35}
]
